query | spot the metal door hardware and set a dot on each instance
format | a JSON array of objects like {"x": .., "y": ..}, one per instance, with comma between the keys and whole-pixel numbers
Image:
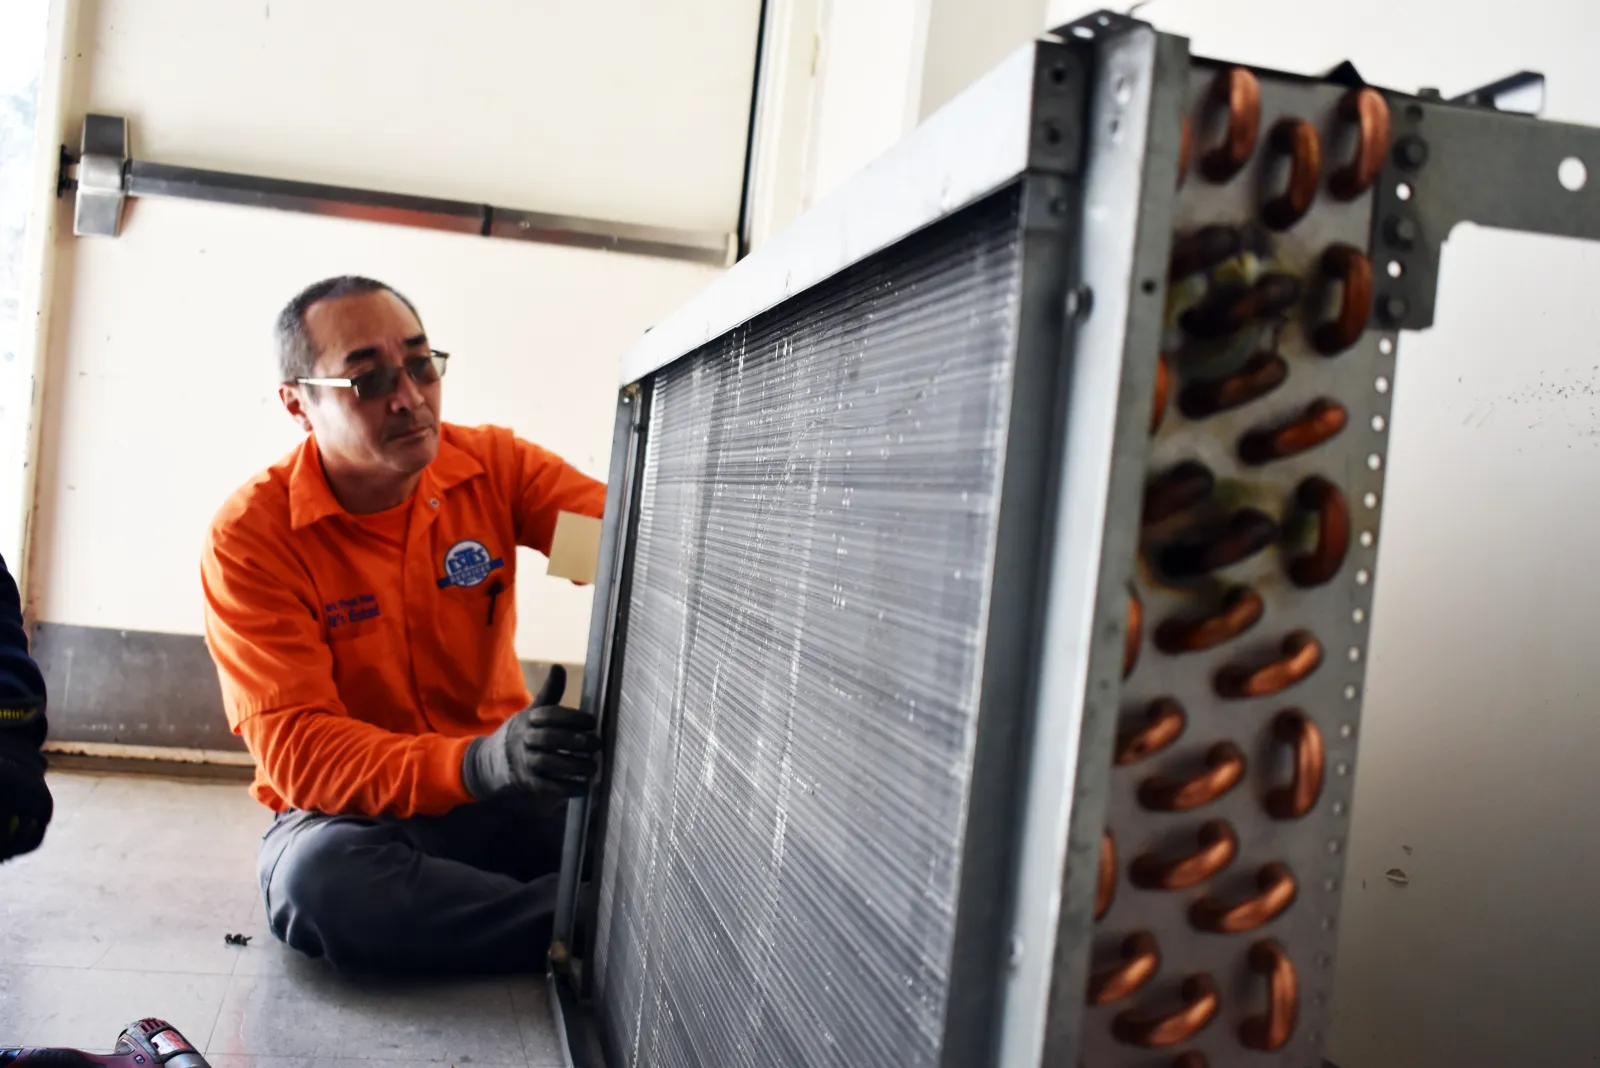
[{"x": 107, "y": 175}]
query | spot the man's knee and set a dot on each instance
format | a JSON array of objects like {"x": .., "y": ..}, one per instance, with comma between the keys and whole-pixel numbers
[{"x": 325, "y": 892}]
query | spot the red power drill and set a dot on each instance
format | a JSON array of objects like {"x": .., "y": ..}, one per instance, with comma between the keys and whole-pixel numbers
[{"x": 149, "y": 1043}]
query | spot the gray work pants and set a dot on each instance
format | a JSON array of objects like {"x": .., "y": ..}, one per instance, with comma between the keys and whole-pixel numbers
[{"x": 473, "y": 890}]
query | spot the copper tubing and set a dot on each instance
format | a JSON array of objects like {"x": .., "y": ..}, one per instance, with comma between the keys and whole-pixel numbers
[
  {"x": 1298, "y": 140},
  {"x": 1273, "y": 1030},
  {"x": 1322, "y": 420},
  {"x": 1177, "y": 489},
  {"x": 1131, "y": 640},
  {"x": 1158, "y": 399},
  {"x": 1218, "y": 846},
  {"x": 1164, "y": 721},
  {"x": 1141, "y": 959},
  {"x": 1224, "y": 770},
  {"x": 1370, "y": 113},
  {"x": 1239, "y": 91},
  {"x": 1202, "y": 250},
  {"x": 1294, "y": 728},
  {"x": 1185, "y": 147},
  {"x": 1242, "y": 608},
  {"x": 1106, "y": 890},
  {"x": 1153, "y": 1032},
  {"x": 1232, "y": 308},
  {"x": 1247, "y": 533},
  {"x": 1263, "y": 373},
  {"x": 1323, "y": 499},
  {"x": 1352, "y": 271},
  {"x": 1277, "y": 892},
  {"x": 1301, "y": 655}
]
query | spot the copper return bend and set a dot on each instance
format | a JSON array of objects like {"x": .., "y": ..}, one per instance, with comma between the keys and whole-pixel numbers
[
  {"x": 1294, "y": 728},
  {"x": 1141, "y": 959},
  {"x": 1153, "y": 1032},
  {"x": 1106, "y": 888},
  {"x": 1277, "y": 891},
  {"x": 1224, "y": 770},
  {"x": 1218, "y": 846},
  {"x": 1301, "y": 655},
  {"x": 1164, "y": 721},
  {"x": 1273, "y": 1030}
]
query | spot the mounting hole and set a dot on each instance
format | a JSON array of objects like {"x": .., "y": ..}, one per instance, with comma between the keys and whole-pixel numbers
[
  {"x": 1355, "y": 653},
  {"x": 1386, "y": 346},
  {"x": 1346, "y": 730},
  {"x": 1378, "y": 424},
  {"x": 1349, "y": 693},
  {"x": 1148, "y": 285},
  {"x": 1403, "y": 191},
  {"x": 1363, "y": 577},
  {"x": 1381, "y": 385},
  {"x": 1414, "y": 112},
  {"x": 1370, "y": 500},
  {"x": 1083, "y": 32},
  {"x": 1058, "y": 73},
  {"x": 1358, "y": 616},
  {"x": 1396, "y": 269},
  {"x": 1366, "y": 539},
  {"x": 1572, "y": 174},
  {"x": 1374, "y": 462},
  {"x": 1104, "y": 20}
]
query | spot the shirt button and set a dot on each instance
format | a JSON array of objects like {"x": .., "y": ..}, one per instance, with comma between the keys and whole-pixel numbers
[{"x": 433, "y": 502}]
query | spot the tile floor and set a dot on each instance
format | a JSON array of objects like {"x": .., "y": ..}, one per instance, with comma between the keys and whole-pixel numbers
[{"x": 122, "y": 914}]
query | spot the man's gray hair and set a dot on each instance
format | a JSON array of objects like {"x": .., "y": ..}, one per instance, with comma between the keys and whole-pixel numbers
[{"x": 297, "y": 353}]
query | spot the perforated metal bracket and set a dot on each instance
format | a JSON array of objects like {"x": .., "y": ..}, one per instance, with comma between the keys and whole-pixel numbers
[{"x": 1451, "y": 163}]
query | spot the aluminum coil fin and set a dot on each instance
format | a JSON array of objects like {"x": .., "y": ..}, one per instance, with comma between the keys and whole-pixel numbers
[{"x": 798, "y": 697}]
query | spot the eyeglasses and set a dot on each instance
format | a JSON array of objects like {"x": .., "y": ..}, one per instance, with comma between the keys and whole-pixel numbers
[{"x": 381, "y": 382}]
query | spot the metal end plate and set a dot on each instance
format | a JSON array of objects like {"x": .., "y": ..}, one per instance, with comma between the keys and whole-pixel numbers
[{"x": 1248, "y": 616}]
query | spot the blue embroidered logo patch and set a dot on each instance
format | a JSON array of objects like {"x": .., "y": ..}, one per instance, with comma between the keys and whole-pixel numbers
[
  {"x": 468, "y": 563},
  {"x": 347, "y": 610}
]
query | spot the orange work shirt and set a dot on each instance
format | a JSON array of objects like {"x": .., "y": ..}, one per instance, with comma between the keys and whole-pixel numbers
[{"x": 359, "y": 654}]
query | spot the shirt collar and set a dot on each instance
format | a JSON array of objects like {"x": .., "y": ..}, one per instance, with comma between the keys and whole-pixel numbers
[{"x": 311, "y": 499}]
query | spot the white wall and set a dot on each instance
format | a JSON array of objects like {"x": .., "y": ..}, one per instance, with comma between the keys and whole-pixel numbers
[
  {"x": 1482, "y": 714},
  {"x": 853, "y": 76},
  {"x": 161, "y": 397}
]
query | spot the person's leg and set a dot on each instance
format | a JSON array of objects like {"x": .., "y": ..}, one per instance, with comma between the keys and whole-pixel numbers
[
  {"x": 518, "y": 836},
  {"x": 371, "y": 895}
]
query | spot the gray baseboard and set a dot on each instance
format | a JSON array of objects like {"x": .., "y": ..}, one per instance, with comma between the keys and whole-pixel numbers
[{"x": 134, "y": 687}]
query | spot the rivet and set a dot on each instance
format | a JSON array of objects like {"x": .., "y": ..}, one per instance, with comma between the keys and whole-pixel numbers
[
  {"x": 1411, "y": 152},
  {"x": 1402, "y": 233},
  {"x": 433, "y": 502}
]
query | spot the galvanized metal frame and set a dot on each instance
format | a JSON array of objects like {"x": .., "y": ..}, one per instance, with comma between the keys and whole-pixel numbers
[{"x": 1132, "y": 148}]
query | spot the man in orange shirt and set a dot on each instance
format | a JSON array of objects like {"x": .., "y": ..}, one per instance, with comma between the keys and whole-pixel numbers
[{"x": 360, "y": 609}]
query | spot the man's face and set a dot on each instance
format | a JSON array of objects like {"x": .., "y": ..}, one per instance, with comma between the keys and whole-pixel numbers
[{"x": 392, "y": 436}]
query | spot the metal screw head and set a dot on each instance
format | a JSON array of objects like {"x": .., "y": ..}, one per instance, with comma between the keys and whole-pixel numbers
[
  {"x": 1394, "y": 310},
  {"x": 1079, "y": 300},
  {"x": 1402, "y": 233},
  {"x": 1411, "y": 152}
]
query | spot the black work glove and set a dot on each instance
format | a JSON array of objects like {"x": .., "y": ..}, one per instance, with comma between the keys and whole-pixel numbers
[
  {"x": 544, "y": 749},
  {"x": 25, "y": 803}
]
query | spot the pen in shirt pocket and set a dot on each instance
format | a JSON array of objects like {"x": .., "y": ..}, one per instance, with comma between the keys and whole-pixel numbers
[{"x": 495, "y": 590}]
